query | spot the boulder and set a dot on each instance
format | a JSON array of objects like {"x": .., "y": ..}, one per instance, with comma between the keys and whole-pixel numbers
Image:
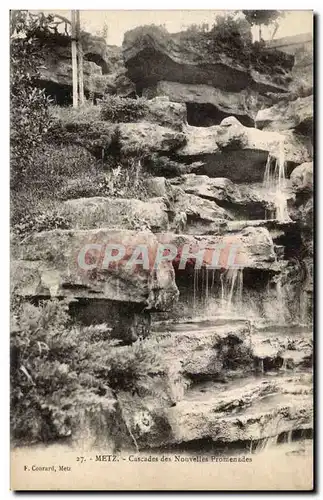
[
  {"x": 207, "y": 105},
  {"x": 242, "y": 413},
  {"x": 195, "y": 214},
  {"x": 64, "y": 263},
  {"x": 301, "y": 207},
  {"x": 251, "y": 247},
  {"x": 90, "y": 213},
  {"x": 286, "y": 115},
  {"x": 152, "y": 54},
  {"x": 202, "y": 352},
  {"x": 244, "y": 200},
  {"x": 249, "y": 411},
  {"x": 240, "y": 153},
  {"x": 301, "y": 178},
  {"x": 103, "y": 67},
  {"x": 157, "y": 187},
  {"x": 158, "y": 110},
  {"x": 148, "y": 137},
  {"x": 281, "y": 351}
]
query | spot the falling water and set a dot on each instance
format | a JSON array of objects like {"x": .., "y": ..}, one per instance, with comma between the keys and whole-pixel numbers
[
  {"x": 275, "y": 183},
  {"x": 284, "y": 365},
  {"x": 195, "y": 286},
  {"x": 289, "y": 436},
  {"x": 232, "y": 288},
  {"x": 280, "y": 299}
]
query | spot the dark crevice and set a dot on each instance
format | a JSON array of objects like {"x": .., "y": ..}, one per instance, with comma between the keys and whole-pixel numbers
[{"x": 206, "y": 115}]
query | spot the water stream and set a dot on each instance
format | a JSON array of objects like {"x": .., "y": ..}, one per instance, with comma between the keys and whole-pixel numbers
[{"x": 275, "y": 184}]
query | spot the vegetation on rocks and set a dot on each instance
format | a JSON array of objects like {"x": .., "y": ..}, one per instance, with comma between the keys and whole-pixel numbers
[{"x": 59, "y": 368}]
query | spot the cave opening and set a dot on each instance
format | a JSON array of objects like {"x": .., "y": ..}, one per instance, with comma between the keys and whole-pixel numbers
[
  {"x": 97, "y": 59},
  {"x": 61, "y": 95},
  {"x": 206, "y": 115}
]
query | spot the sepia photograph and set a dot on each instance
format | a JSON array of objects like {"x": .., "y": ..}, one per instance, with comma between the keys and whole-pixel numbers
[{"x": 161, "y": 250}]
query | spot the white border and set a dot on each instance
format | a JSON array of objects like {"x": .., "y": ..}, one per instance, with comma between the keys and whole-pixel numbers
[{"x": 4, "y": 196}]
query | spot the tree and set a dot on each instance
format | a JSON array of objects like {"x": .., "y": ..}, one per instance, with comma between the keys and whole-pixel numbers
[
  {"x": 263, "y": 17},
  {"x": 29, "y": 116}
]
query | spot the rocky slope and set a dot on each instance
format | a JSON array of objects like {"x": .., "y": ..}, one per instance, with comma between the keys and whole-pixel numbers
[{"x": 215, "y": 181}]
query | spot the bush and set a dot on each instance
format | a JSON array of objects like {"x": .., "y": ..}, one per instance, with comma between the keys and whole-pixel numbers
[
  {"x": 41, "y": 221},
  {"x": 29, "y": 115},
  {"x": 123, "y": 110},
  {"x": 36, "y": 205},
  {"x": 58, "y": 371}
]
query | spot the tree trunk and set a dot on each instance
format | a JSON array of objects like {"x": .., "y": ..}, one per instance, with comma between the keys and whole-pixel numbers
[
  {"x": 74, "y": 61},
  {"x": 80, "y": 59}
]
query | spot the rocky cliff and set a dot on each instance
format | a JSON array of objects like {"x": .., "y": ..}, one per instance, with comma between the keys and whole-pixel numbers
[{"x": 226, "y": 154}]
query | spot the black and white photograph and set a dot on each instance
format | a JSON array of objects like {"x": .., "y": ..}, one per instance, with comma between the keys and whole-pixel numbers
[{"x": 161, "y": 250}]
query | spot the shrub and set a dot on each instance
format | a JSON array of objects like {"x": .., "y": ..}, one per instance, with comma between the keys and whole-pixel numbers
[
  {"x": 59, "y": 371},
  {"x": 29, "y": 116},
  {"x": 35, "y": 206},
  {"x": 123, "y": 110},
  {"x": 41, "y": 221}
]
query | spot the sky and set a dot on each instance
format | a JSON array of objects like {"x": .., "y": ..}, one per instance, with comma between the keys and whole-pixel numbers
[{"x": 118, "y": 22}]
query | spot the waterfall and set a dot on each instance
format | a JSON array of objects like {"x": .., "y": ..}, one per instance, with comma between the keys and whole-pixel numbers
[
  {"x": 289, "y": 436},
  {"x": 231, "y": 288},
  {"x": 195, "y": 286},
  {"x": 275, "y": 183}
]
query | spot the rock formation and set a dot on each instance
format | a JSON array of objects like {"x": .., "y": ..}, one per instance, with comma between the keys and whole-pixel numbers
[{"x": 216, "y": 180}]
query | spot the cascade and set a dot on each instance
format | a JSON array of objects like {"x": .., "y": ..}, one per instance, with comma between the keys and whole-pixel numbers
[
  {"x": 232, "y": 288},
  {"x": 195, "y": 286},
  {"x": 289, "y": 436},
  {"x": 275, "y": 183}
]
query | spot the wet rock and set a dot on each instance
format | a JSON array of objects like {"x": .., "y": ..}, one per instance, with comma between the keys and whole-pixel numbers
[
  {"x": 282, "y": 351},
  {"x": 249, "y": 412},
  {"x": 302, "y": 178},
  {"x": 238, "y": 152},
  {"x": 239, "y": 411},
  {"x": 296, "y": 114},
  {"x": 242, "y": 200},
  {"x": 64, "y": 263},
  {"x": 100, "y": 212},
  {"x": 201, "y": 352},
  {"x": 301, "y": 207},
  {"x": 303, "y": 212}
]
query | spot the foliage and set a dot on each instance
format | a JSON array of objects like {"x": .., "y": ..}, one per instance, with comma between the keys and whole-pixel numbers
[
  {"x": 265, "y": 17},
  {"x": 29, "y": 115},
  {"x": 124, "y": 179},
  {"x": 123, "y": 110},
  {"x": 232, "y": 35},
  {"x": 35, "y": 207},
  {"x": 228, "y": 30},
  {"x": 58, "y": 370},
  {"x": 42, "y": 221}
]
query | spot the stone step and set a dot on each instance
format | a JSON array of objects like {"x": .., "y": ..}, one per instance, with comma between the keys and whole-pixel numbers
[
  {"x": 218, "y": 348},
  {"x": 243, "y": 410}
]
